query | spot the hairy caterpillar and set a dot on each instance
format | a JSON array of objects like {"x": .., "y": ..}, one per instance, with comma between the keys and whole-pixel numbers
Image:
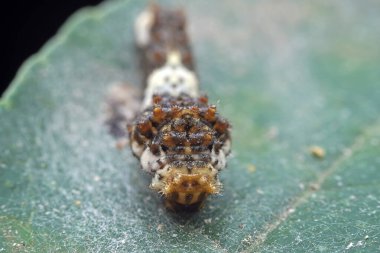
[{"x": 177, "y": 136}]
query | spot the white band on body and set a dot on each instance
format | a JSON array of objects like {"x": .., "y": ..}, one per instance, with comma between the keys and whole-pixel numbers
[{"x": 172, "y": 78}]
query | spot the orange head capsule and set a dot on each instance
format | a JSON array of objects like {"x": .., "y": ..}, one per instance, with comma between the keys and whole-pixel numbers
[{"x": 183, "y": 189}]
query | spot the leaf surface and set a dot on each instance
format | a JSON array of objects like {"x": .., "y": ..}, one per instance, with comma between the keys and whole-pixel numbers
[{"x": 288, "y": 75}]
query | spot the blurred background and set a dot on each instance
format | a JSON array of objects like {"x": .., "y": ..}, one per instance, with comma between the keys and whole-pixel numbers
[{"x": 26, "y": 26}]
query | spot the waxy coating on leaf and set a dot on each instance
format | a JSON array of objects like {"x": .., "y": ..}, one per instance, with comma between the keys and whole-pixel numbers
[{"x": 178, "y": 136}]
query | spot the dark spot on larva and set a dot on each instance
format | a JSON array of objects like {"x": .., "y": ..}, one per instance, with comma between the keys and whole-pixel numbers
[
  {"x": 174, "y": 85},
  {"x": 160, "y": 177},
  {"x": 154, "y": 148},
  {"x": 188, "y": 198},
  {"x": 180, "y": 79},
  {"x": 166, "y": 79},
  {"x": 187, "y": 128},
  {"x": 185, "y": 184},
  {"x": 215, "y": 163},
  {"x": 164, "y": 148}
]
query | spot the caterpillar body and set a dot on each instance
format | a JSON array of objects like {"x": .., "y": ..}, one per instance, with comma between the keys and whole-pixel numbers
[{"x": 178, "y": 136}]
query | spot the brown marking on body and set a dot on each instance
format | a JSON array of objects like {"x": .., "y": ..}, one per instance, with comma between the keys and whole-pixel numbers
[
  {"x": 210, "y": 113},
  {"x": 158, "y": 114},
  {"x": 203, "y": 99},
  {"x": 221, "y": 126},
  {"x": 145, "y": 128},
  {"x": 154, "y": 148},
  {"x": 168, "y": 140},
  {"x": 156, "y": 99}
]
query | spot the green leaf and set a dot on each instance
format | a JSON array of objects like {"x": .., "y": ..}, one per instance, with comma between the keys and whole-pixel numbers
[{"x": 289, "y": 75}]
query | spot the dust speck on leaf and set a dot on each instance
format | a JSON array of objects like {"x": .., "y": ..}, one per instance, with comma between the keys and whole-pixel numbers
[
  {"x": 208, "y": 221},
  {"x": 251, "y": 168},
  {"x": 350, "y": 245},
  {"x": 347, "y": 152},
  {"x": 260, "y": 191},
  {"x": 160, "y": 227},
  {"x": 248, "y": 240},
  {"x": 272, "y": 132},
  {"x": 317, "y": 151},
  {"x": 314, "y": 187},
  {"x": 359, "y": 243}
]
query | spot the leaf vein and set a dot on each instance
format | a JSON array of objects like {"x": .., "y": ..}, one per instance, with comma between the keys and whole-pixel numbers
[{"x": 356, "y": 145}]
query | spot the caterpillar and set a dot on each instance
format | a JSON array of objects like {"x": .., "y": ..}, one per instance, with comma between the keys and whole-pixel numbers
[{"x": 177, "y": 136}]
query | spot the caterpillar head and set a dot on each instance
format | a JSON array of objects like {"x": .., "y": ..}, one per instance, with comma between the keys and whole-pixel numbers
[{"x": 185, "y": 187}]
